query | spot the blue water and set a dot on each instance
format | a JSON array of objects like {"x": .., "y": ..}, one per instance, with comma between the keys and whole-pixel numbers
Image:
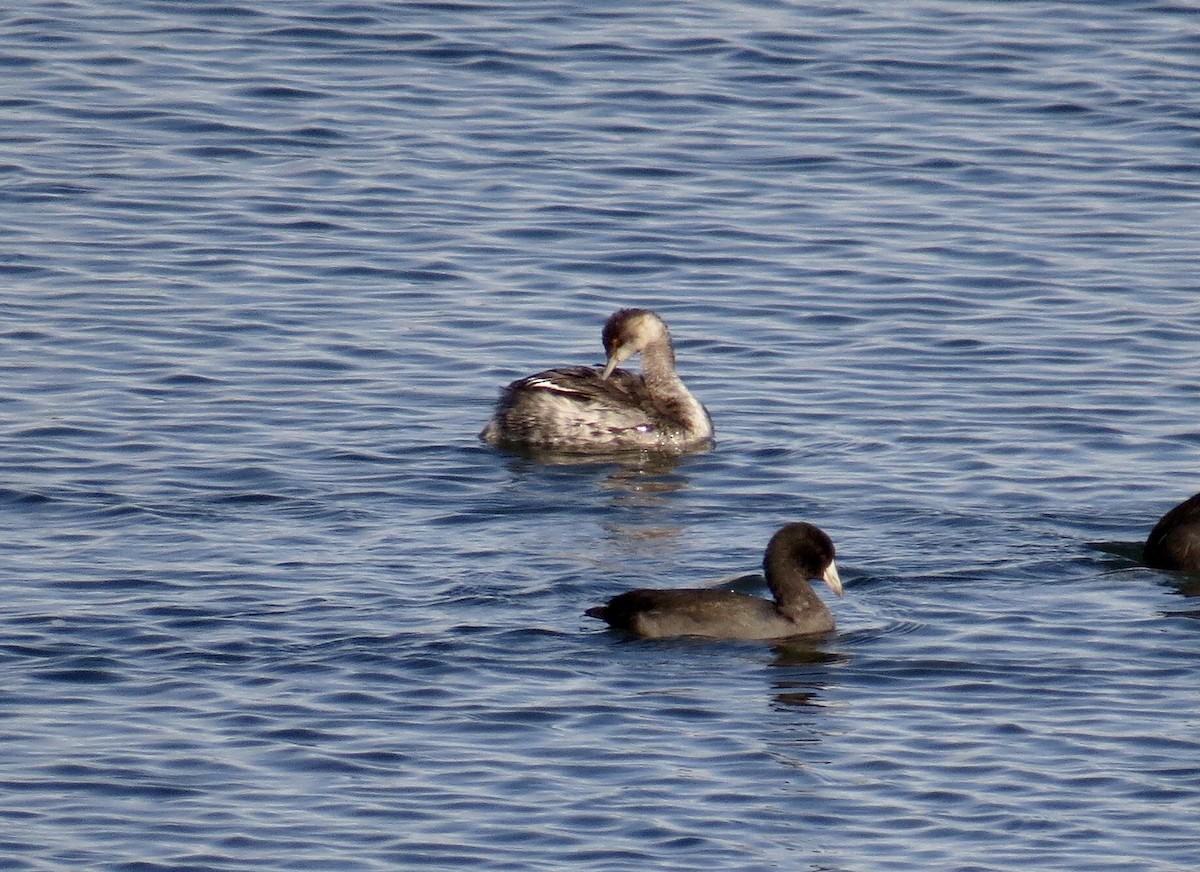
[{"x": 266, "y": 602}]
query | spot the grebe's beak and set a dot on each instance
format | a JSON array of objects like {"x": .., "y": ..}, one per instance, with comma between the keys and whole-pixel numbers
[{"x": 617, "y": 356}]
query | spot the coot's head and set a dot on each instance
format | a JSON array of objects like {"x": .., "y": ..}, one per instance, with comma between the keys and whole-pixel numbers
[{"x": 801, "y": 548}]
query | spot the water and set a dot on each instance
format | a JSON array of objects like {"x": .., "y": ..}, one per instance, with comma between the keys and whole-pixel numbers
[{"x": 267, "y": 603}]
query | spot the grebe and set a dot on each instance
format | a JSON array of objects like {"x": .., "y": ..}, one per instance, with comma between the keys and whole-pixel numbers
[
  {"x": 582, "y": 409},
  {"x": 795, "y": 554}
]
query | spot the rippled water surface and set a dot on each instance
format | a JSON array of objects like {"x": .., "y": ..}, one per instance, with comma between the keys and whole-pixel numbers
[{"x": 267, "y": 603}]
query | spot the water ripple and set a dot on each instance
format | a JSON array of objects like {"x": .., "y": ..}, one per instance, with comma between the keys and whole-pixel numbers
[{"x": 267, "y": 601}]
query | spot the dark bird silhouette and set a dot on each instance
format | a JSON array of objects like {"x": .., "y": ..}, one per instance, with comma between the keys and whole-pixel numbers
[
  {"x": 1174, "y": 543},
  {"x": 795, "y": 554}
]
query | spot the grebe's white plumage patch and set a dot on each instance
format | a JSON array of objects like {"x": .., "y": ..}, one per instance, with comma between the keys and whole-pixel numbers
[{"x": 548, "y": 384}]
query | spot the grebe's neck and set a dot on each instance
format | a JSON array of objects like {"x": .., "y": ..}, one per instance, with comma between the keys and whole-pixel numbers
[{"x": 658, "y": 367}]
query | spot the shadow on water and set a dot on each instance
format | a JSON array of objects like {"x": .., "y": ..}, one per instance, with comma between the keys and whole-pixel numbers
[
  {"x": 801, "y": 669},
  {"x": 630, "y": 480},
  {"x": 803, "y": 674},
  {"x": 1184, "y": 583},
  {"x": 1127, "y": 557},
  {"x": 526, "y": 458}
]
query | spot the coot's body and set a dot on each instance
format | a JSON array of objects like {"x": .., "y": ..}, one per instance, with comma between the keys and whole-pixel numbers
[
  {"x": 1174, "y": 543},
  {"x": 795, "y": 554}
]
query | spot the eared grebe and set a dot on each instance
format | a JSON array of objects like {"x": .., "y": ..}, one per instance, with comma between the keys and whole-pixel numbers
[
  {"x": 582, "y": 408},
  {"x": 1174, "y": 543},
  {"x": 795, "y": 554}
]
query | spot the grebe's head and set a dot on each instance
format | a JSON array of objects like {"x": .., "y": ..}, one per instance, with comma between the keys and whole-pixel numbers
[{"x": 628, "y": 332}]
